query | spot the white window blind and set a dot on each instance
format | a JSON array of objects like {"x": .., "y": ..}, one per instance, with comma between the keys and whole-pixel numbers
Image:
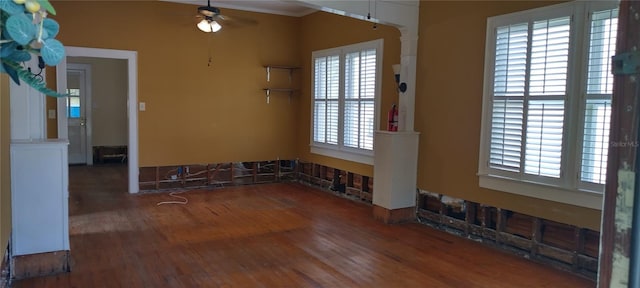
[
  {"x": 530, "y": 79},
  {"x": 548, "y": 86},
  {"x": 547, "y": 93},
  {"x": 345, "y": 93},
  {"x": 549, "y": 56},
  {"x": 599, "y": 87},
  {"x": 326, "y": 97},
  {"x": 360, "y": 84},
  {"x": 508, "y": 101}
]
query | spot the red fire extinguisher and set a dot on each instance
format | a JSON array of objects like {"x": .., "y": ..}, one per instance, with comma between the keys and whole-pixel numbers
[{"x": 393, "y": 119}]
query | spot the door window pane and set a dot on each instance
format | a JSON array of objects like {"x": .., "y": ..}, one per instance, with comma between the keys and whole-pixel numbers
[{"x": 73, "y": 103}]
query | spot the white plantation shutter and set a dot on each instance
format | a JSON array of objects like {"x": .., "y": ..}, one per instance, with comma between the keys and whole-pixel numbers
[
  {"x": 345, "y": 93},
  {"x": 508, "y": 97},
  {"x": 511, "y": 60},
  {"x": 595, "y": 143},
  {"x": 506, "y": 134},
  {"x": 602, "y": 42},
  {"x": 530, "y": 82},
  {"x": 326, "y": 99},
  {"x": 359, "y": 94},
  {"x": 547, "y": 91},
  {"x": 544, "y": 137},
  {"x": 549, "y": 56}
]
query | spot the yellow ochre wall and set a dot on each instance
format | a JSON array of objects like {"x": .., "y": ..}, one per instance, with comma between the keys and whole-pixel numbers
[
  {"x": 322, "y": 30},
  {"x": 449, "y": 106},
  {"x": 5, "y": 170},
  {"x": 196, "y": 113},
  {"x": 201, "y": 114}
]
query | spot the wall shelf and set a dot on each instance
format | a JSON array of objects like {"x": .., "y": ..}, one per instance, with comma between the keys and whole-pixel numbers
[
  {"x": 268, "y": 91},
  {"x": 268, "y": 68}
]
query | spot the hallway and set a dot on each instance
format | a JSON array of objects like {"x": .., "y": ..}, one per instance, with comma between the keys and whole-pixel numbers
[{"x": 272, "y": 235}]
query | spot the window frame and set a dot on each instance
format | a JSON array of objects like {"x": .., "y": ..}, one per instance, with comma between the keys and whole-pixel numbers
[
  {"x": 568, "y": 188},
  {"x": 339, "y": 150}
]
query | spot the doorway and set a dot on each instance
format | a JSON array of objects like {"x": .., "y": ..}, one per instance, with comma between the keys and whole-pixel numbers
[
  {"x": 78, "y": 105},
  {"x": 132, "y": 113}
]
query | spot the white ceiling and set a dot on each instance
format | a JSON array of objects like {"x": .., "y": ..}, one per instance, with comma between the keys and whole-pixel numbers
[{"x": 280, "y": 7}]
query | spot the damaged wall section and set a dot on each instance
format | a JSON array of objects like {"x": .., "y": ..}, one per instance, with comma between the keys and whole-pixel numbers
[
  {"x": 216, "y": 174},
  {"x": 564, "y": 246}
]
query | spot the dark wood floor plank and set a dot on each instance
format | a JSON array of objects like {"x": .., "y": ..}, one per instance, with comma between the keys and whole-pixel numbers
[{"x": 272, "y": 235}]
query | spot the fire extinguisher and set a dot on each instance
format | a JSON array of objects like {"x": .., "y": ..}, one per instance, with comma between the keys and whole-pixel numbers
[{"x": 393, "y": 119}]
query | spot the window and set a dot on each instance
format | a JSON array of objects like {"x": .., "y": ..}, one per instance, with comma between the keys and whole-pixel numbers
[
  {"x": 73, "y": 103},
  {"x": 547, "y": 102},
  {"x": 345, "y": 93},
  {"x": 598, "y": 96}
]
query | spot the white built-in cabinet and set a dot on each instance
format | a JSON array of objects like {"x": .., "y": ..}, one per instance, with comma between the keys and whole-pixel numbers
[
  {"x": 39, "y": 196},
  {"x": 395, "y": 169},
  {"x": 39, "y": 178}
]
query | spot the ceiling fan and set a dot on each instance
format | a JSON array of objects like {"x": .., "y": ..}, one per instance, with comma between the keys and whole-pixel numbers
[{"x": 210, "y": 16}]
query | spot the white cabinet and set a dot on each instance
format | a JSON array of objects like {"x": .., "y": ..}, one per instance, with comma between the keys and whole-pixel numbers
[{"x": 39, "y": 194}]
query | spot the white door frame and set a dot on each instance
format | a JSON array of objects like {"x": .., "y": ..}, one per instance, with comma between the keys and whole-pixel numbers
[
  {"x": 86, "y": 70},
  {"x": 27, "y": 109},
  {"x": 132, "y": 100}
]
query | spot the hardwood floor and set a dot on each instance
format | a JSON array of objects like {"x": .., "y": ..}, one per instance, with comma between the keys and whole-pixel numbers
[{"x": 270, "y": 235}]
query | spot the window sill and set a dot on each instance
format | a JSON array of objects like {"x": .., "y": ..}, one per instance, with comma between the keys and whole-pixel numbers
[
  {"x": 341, "y": 154},
  {"x": 579, "y": 198}
]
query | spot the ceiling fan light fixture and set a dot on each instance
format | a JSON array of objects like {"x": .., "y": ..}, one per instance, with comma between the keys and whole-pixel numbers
[
  {"x": 215, "y": 27},
  {"x": 209, "y": 26},
  {"x": 204, "y": 26}
]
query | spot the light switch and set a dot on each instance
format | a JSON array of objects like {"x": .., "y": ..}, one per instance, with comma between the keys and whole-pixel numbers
[
  {"x": 52, "y": 114},
  {"x": 142, "y": 106}
]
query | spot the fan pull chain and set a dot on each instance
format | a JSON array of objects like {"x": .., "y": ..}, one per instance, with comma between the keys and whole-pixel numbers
[{"x": 209, "y": 51}]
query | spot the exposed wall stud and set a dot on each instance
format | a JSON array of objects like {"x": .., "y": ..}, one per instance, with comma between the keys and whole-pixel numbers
[
  {"x": 536, "y": 235},
  {"x": 501, "y": 222}
]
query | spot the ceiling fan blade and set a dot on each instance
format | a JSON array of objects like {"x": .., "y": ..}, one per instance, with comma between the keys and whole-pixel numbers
[{"x": 237, "y": 21}]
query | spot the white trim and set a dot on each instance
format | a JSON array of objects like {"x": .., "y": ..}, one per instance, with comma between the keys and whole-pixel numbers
[
  {"x": 273, "y": 7},
  {"x": 580, "y": 198},
  {"x": 132, "y": 100},
  {"x": 341, "y": 154},
  {"x": 542, "y": 13},
  {"x": 61, "y": 84},
  {"x": 27, "y": 108},
  {"x": 85, "y": 69},
  {"x": 571, "y": 153}
]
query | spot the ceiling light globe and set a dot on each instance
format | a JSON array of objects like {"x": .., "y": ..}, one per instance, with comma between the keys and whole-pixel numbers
[
  {"x": 215, "y": 27},
  {"x": 204, "y": 26}
]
